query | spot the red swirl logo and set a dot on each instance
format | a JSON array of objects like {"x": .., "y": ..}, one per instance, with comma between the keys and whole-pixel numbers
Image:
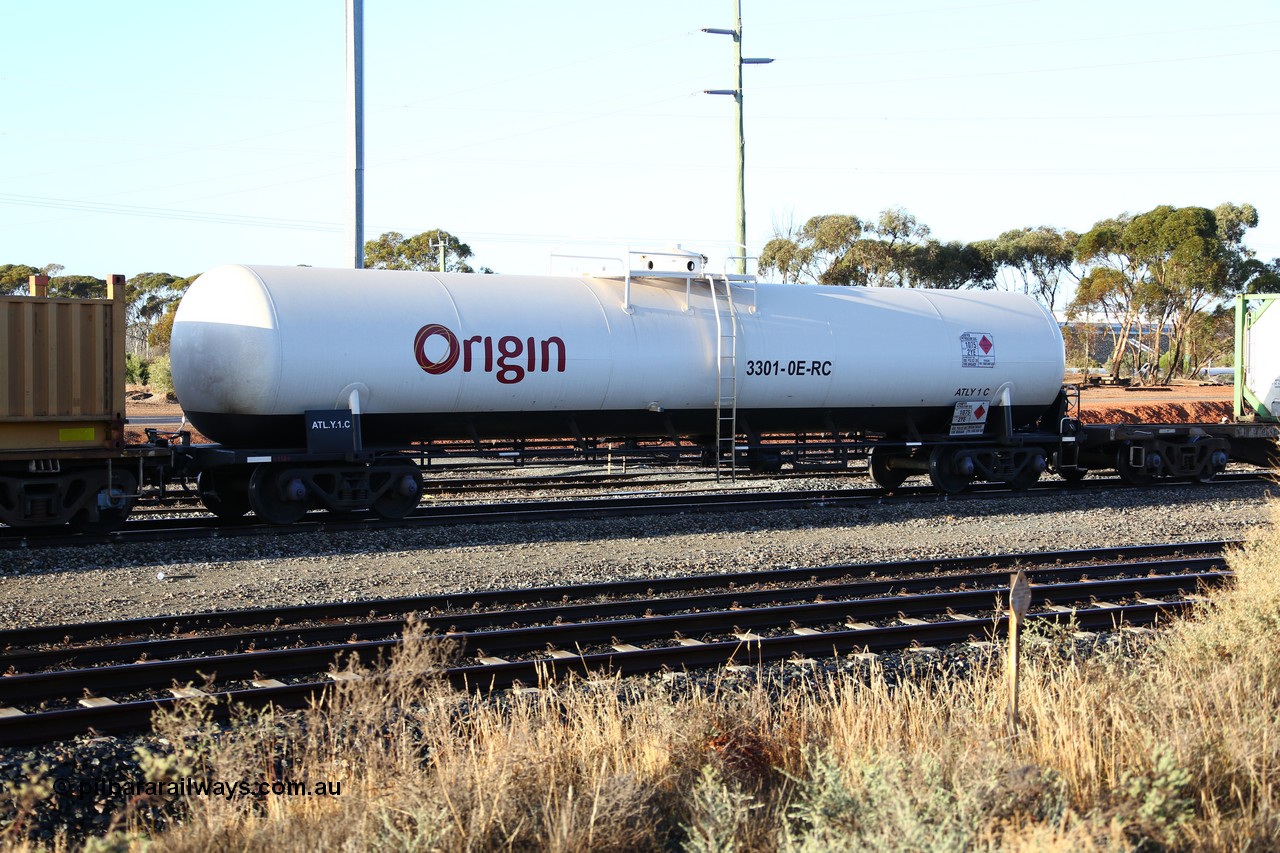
[{"x": 444, "y": 365}]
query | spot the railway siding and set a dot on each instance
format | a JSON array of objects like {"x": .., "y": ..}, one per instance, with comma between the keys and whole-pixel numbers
[{"x": 67, "y": 687}]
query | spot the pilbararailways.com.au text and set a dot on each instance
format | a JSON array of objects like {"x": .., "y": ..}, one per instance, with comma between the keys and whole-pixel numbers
[{"x": 99, "y": 788}]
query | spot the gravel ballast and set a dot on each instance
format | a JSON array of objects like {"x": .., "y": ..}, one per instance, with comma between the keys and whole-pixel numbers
[
  {"x": 109, "y": 582},
  {"x": 65, "y": 585}
]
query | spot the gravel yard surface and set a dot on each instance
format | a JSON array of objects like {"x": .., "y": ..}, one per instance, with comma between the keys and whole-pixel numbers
[
  {"x": 113, "y": 582},
  {"x": 107, "y": 582}
]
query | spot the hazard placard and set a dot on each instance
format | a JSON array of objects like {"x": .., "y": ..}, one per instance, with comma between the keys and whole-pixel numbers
[
  {"x": 977, "y": 349},
  {"x": 970, "y": 418}
]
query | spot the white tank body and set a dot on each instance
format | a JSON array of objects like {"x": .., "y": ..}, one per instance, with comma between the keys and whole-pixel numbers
[{"x": 432, "y": 356}]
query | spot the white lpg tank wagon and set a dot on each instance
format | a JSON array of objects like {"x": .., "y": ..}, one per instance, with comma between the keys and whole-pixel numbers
[{"x": 949, "y": 382}]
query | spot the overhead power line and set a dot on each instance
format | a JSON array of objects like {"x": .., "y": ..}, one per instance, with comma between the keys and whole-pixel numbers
[{"x": 168, "y": 213}]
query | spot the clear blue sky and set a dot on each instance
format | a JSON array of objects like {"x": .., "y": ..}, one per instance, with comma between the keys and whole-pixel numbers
[{"x": 174, "y": 136}]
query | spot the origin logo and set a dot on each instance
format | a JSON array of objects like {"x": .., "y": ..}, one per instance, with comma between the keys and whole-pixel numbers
[{"x": 510, "y": 358}]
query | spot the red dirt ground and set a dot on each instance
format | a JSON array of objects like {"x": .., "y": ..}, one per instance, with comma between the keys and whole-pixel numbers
[{"x": 1176, "y": 404}]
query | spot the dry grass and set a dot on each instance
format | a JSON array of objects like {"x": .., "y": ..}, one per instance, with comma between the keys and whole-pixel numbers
[{"x": 1168, "y": 743}]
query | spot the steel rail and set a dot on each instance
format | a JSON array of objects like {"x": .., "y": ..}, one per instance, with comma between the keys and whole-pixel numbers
[
  {"x": 470, "y": 620},
  {"x": 631, "y": 505},
  {"x": 189, "y": 502},
  {"x": 765, "y": 649},
  {"x": 36, "y": 635},
  {"x": 134, "y": 715},
  {"x": 71, "y": 683}
]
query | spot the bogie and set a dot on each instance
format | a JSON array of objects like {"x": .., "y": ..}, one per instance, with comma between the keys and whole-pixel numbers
[
  {"x": 108, "y": 499},
  {"x": 282, "y": 493},
  {"x": 397, "y": 489},
  {"x": 950, "y": 470},
  {"x": 95, "y": 498},
  {"x": 1192, "y": 457},
  {"x": 225, "y": 491},
  {"x": 277, "y": 494},
  {"x": 887, "y": 469}
]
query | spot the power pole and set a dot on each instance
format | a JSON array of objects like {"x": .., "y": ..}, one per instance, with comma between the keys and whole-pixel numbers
[
  {"x": 355, "y": 131},
  {"x": 739, "y": 135},
  {"x": 442, "y": 246}
]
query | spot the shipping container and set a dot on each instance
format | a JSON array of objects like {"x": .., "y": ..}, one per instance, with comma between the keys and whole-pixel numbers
[{"x": 62, "y": 380}]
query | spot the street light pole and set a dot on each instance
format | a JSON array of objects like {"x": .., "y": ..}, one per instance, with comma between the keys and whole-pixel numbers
[{"x": 740, "y": 136}]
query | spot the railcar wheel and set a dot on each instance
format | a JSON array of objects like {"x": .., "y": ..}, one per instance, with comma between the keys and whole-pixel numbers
[
  {"x": 224, "y": 492},
  {"x": 276, "y": 496},
  {"x": 764, "y": 462},
  {"x": 1030, "y": 474},
  {"x": 403, "y": 491},
  {"x": 1028, "y": 478},
  {"x": 1134, "y": 475},
  {"x": 1070, "y": 473},
  {"x": 107, "y": 504},
  {"x": 885, "y": 477},
  {"x": 947, "y": 470},
  {"x": 1213, "y": 466}
]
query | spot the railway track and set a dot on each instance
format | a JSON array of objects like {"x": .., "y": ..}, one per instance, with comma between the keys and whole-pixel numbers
[
  {"x": 65, "y": 680},
  {"x": 460, "y": 489},
  {"x": 630, "y": 504}
]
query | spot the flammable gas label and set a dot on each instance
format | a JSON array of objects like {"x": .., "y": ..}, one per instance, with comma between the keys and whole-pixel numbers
[{"x": 969, "y": 417}]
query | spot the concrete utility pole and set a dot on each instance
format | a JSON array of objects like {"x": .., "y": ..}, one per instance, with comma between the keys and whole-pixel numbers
[
  {"x": 355, "y": 131},
  {"x": 738, "y": 62}
]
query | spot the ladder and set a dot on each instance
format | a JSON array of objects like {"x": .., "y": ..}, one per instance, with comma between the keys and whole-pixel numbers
[{"x": 726, "y": 379}]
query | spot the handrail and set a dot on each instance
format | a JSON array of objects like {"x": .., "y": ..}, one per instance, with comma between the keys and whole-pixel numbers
[
  {"x": 626, "y": 287},
  {"x": 590, "y": 258},
  {"x": 743, "y": 278},
  {"x": 696, "y": 273}
]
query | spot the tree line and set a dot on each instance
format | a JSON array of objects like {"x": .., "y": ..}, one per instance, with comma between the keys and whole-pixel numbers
[
  {"x": 1164, "y": 275},
  {"x": 1159, "y": 280},
  {"x": 152, "y": 297}
]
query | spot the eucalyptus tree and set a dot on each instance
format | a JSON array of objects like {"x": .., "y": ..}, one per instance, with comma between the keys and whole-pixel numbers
[
  {"x": 1169, "y": 265},
  {"x": 1261, "y": 277},
  {"x": 888, "y": 259},
  {"x": 894, "y": 250},
  {"x": 952, "y": 265},
  {"x": 1114, "y": 282},
  {"x": 153, "y": 297},
  {"x": 1042, "y": 258},
  {"x": 78, "y": 287},
  {"x": 394, "y": 251},
  {"x": 1188, "y": 271},
  {"x": 14, "y": 278},
  {"x": 1246, "y": 273},
  {"x": 820, "y": 252}
]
